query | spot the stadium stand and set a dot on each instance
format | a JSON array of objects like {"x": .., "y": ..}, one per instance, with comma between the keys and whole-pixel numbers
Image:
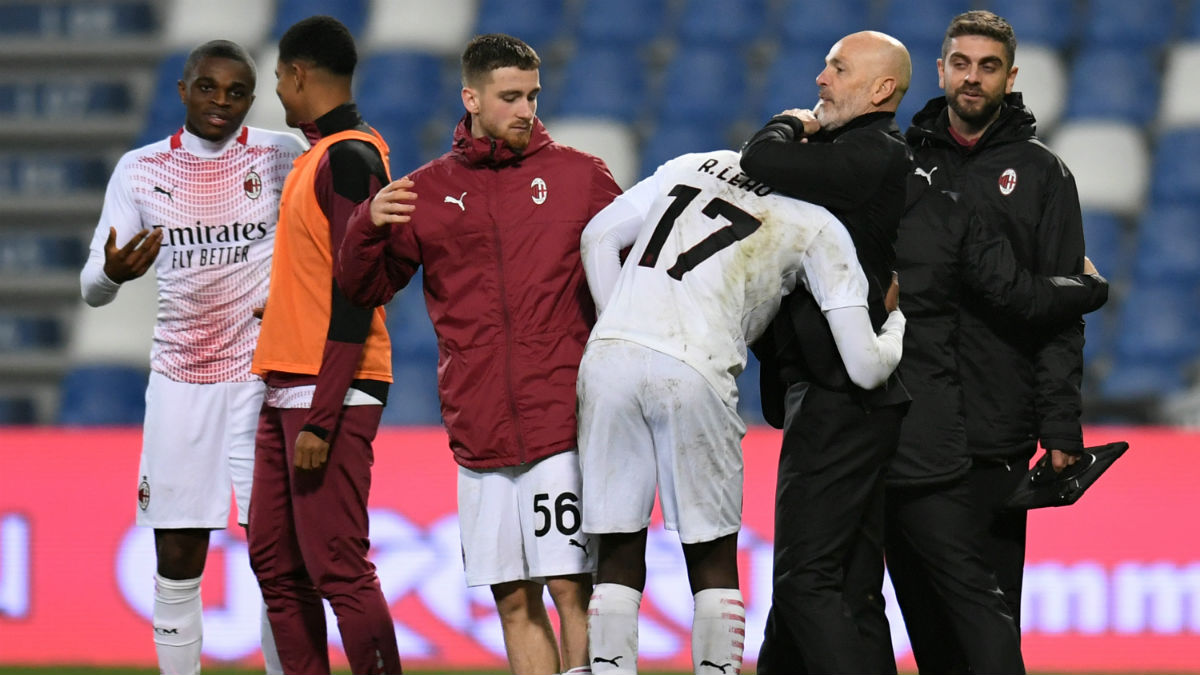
[{"x": 637, "y": 82}]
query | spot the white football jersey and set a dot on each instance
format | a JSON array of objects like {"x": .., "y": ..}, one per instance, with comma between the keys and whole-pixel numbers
[
  {"x": 218, "y": 204},
  {"x": 713, "y": 252}
]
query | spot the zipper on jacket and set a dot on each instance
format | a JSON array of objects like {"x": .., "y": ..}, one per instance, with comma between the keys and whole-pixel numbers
[{"x": 508, "y": 338}]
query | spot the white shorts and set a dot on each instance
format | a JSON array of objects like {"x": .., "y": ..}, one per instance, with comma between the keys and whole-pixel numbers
[
  {"x": 642, "y": 415},
  {"x": 197, "y": 446},
  {"x": 522, "y": 522}
]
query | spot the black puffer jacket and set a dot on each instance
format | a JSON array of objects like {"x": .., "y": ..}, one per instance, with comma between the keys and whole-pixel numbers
[
  {"x": 945, "y": 252},
  {"x": 1020, "y": 384}
]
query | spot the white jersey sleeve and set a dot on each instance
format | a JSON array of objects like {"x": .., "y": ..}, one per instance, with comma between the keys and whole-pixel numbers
[
  {"x": 612, "y": 230},
  {"x": 121, "y": 214}
]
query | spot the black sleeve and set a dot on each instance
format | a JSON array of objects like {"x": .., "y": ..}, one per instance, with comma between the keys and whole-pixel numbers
[
  {"x": 840, "y": 175},
  {"x": 1059, "y": 362},
  {"x": 994, "y": 273}
]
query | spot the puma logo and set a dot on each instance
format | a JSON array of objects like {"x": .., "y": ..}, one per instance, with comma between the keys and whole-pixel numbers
[
  {"x": 721, "y": 668},
  {"x": 459, "y": 201},
  {"x": 583, "y": 546},
  {"x": 613, "y": 660},
  {"x": 928, "y": 176},
  {"x": 163, "y": 191}
]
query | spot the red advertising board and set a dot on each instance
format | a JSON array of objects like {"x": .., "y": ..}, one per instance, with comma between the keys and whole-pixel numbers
[{"x": 1112, "y": 583}]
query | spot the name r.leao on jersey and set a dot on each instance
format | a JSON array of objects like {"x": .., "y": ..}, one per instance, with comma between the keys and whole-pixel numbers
[
  {"x": 737, "y": 179},
  {"x": 202, "y": 235}
]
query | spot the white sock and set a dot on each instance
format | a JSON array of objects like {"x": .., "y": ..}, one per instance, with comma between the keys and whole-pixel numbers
[
  {"x": 718, "y": 631},
  {"x": 581, "y": 670},
  {"x": 178, "y": 628},
  {"x": 613, "y": 628},
  {"x": 270, "y": 655}
]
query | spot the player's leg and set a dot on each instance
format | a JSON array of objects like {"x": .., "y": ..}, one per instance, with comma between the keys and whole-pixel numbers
[
  {"x": 242, "y": 404},
  {"x": 330, "y": 505},
  {"x": 528, "y": 637},
  {"x": 294, "y": 607},
  {"x": 183, "y": 492},
  {"x": 1003, "y": 529},
  {"x": 616, "y": 453},
  {"x": 178, "y": 612},
  {"x": 555, "y": 547},
  {"x": 697, "y": 443},
  {"x": 957, "y": 618},
  {"x": 570, "y": 595}
]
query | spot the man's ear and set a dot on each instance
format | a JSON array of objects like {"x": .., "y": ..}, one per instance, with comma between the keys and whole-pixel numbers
[
  {"x": 884, "y": 88},
  {"x": 470, "y": 99},
  {"x": 182, "y": 92}
]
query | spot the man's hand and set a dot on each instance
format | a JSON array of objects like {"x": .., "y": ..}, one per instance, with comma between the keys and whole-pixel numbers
[
  {"x": 1061, "y": 460},
  {"x": 311, "y": 451},
  {"x": 891, "y": 301},
  {"x": 808, "y": 117},
  {"x": 1088, "y": 267},
  {"x": 134, "y": 258},
  {"x": 393, "y": 204}
]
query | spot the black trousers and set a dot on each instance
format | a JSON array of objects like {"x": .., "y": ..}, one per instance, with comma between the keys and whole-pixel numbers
[
  {"x": 827, "y": 608},
  {"x": 957, "y": 618}
]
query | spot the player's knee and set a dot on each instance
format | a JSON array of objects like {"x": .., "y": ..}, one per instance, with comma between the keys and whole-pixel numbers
[
  {"x": 570, "y": 592},
  {"x": 517, "y": 600}
]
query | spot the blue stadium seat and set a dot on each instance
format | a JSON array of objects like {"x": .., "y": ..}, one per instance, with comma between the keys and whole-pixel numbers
[
  {"x": 703, "y": 86},
  {"x": 1176, "y": 168},
  {"x": 352, "y": 13},
  {"x": 53, "y": 173},
  {"x": 803, "y": 26},
  {"x": 164, "y": 114},
  {"x": 100, "y": 395},
  {"x": 1104, "y": 233},
  {"x": 924, "y": 84},
  {"x": 671, "y": 140},
  {"x": 1134, "y": 380},
  {"x": 710, "y": 23},
  {"x": 1093, "y": 96},
  {"x": 791, "y": 80},
  {"x": 398, "y": 85},
  {"x": 24, "y": 252},
  {"x": 1191, "y": 22},
  {"x": 408, "y": 325},
  {"x": 405, "y": 152},
  {"x": 1168, "y": 246},
  {"x": 1098, "y": 331},
  {"x": 1123, "y": 24},
  {"x": 17, "y": 410},
  {"x": 625, "y": 24},
  {"x": 921, "y": 21},
  {"x": 537, "y": 22},
  {"x": 607, "y": 83},
  {"x": 1053, "y": 23},
  {"x": 1158, "y": 324},
  {"x": 22, "y": 332},
  {"x": 413, "y": 396},
  {"x": 78, "y": 19}
]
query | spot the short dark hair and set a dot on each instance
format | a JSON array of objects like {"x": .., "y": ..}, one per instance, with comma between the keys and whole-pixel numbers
[
  {"x": 322, "y": 40},
  {"x": 486, "y": 53},
  {"x": 221, "y": 49},
  {"x": 984, "y": 24}
]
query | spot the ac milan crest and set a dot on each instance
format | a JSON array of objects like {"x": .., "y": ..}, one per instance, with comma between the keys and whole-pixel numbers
[
  {"x": 252, "y": 185},
  {"x": 1008, "y": 181},
  {"x": 144, "y": 494},
  {"x": 538, "y": 186}
]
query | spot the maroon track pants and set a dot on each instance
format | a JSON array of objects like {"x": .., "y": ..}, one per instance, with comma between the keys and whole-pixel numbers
[{"x": 308, "y": 540}]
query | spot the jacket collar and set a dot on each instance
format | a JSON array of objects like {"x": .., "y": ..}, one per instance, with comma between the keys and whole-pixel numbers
[
  {"x": 883, "y": 120},
  {"x": 931, "y": 126},
  {"x": 341, "y": 118},
  {"x": 493, "y": 152}
]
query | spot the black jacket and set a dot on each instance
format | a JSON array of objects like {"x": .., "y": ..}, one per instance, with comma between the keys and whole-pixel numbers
[
  {"x": 858, "y": 173},
  {"x": 1020, "y": 384},
  {"x": 944, "y": 253}
]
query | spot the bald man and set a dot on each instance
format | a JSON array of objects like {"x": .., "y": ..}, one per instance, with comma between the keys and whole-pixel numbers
[{"x": 846, "y": 154}]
